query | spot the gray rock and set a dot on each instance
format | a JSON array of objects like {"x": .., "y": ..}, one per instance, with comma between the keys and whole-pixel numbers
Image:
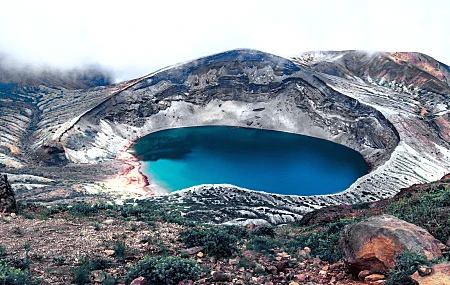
[
  {"x": 192, "y": 250},
  {"x": 220, "y": 276}
]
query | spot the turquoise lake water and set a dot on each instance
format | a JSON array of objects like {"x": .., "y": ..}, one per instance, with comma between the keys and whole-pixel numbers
[{"x": 269, "y": 161}]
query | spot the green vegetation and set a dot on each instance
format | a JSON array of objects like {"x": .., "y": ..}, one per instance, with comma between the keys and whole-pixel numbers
[
  {"x": 15, "y": 275},
  {"x": 119, "y": 251},
  {"x": 164, "y": 270},
  {"x": 428, "y": 208},
  {"x": 321, "y": 239},
  {"x": 81, "y": 273},
  {"x": 360, "y": 206},
  {"x": 262, "y": 244},
  {"x": 149, "y": 211},
  {"x": 10, "y": 275},
  {"x": 217, "y": 241},
  {"x": 406, "y": 264},
  {"x": 59, "y": 260},
  {"x": 265, "y": 231}
]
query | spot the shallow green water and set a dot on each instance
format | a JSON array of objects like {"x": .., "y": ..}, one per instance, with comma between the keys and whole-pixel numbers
[{"x": 263, "y": 160}]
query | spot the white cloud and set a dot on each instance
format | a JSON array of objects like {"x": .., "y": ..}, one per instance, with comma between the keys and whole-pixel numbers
[{"x": 136, "y": 37}]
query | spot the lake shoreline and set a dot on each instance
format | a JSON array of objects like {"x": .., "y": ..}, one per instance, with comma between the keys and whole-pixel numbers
[{"x": 131, "y": 179}]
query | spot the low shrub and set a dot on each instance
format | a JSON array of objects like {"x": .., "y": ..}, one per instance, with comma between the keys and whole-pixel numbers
[
  {"x": 360, "y": 206},
  {"x": 164, "y": 270},
  {"x": 237, "y": 231},
  {"x": 83, "y": 209},
  {"x": 10, "y": 275},
  {"x": 428, "y": 208},
  {"x": 100, "y": 263},
  {"x": 59, "y": 260},
  {"x": 265, "y": 231},
  {"x": 262, "y": 244},
  {"x": 81, "y": 273},
  {"x": 217, "y": 241},
  {"x": 405, "y": 265},
  {"x": 2, "y": 250},
  {"x": 119, "y": 250},
  {"x": 322, "y": 240}
]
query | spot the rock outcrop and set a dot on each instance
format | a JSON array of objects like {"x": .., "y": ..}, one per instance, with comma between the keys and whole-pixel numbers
[
  {"x": 7, "y": 199},
  {"x": 51, "y": 154},
  {"x": 373, "y": 244}
]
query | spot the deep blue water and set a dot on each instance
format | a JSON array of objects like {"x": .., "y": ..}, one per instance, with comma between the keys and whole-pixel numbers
[{"x": 263, "y": 160}]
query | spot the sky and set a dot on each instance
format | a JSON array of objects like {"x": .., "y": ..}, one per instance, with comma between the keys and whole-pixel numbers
[{"x": 134, "y": 38}]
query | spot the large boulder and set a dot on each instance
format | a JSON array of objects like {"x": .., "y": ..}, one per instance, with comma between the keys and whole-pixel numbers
[
  {"x": 373, "y": 244},
  {"x": 52, "y": 153},
  {"x": 7, "y": 199}
]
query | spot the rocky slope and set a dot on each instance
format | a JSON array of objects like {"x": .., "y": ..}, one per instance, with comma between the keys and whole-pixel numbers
[
  {"x": 99, "y": 244},
  {"x": 391, "y": 107}
]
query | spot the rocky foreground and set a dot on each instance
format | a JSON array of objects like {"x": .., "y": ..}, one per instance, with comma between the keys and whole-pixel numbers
[{"x": 151, "y": 243}]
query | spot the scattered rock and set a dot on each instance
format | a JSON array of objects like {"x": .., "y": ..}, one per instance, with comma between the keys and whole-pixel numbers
[
  {"x": 316, "y": 260},
  {"x": 139, "y": 281},
  {"x": 109, "y": 252},
  {"x": 440, "y": 275},
  {"x": 282, "y": 265},
  {"x": 373, "y": 244},
  {"x": 259, "y": 268},
  {"x": 220, "y": 276},
  {"x": 374, "y": 277},
  {"x": 336, "y": 266},
  {"x": 340, "y": 276},
  {"x": 7, "y": 199},
  {"x": 303, "y": 254},
  {"x": 97, "y": 276},
  {"x": 192, "y": 250},
  {"x": 323, "y": 274},
  {"x": 302, "y": 277},
  {"x": 108, "y": 222},
  {"x": 272, "y": 270},
  {"x": 363, "y": 274},
  {"x": 234, "y": 261},
  {"x": 424, "y": 270}
]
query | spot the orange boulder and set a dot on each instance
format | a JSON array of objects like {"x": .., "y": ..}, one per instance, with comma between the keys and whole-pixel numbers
[{"x": 373, "y": 244}]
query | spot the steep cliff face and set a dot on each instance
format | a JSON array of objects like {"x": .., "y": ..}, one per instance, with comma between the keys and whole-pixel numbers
[{"x": 239, "y": 88}]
